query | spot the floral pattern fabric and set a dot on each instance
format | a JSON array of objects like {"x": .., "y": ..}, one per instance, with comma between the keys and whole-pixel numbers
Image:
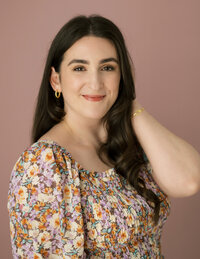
[{"x": 57, "y": 209}]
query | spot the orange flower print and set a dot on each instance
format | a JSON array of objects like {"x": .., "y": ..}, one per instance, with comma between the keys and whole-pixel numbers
[
  {"x": 37, "y": 256},
  {"x": 54, "y": 221},
  {"x": 42, "y": 227},
  {"x": 130, "y": 220},
  {"x": 76, "y": 191},
  {"x": 43, "y": 219},
  {"x": 80, "y": 229},
  {"x": 92, "y": 234},
  {"x": 44, "y": 239},
  {"x": 33, "y": 190},
  {"x": 44, "y": 253},
  {"x": 32, "y": 170},
  {"x": 37, "y": 153},
  {"x": 22, "y": 195},
  {"x": 58, "y": 187},
  {"x": 28, "y": 186},
  {"x": 26, "y": 156},
  {"x": 123, "y": 236},
  {"x": 79, "y": 242},
  {"x": 26, "y": 223},
  {"x": 97, "y": 211},
  {"x": 47, "y": 156},
  {"x": 19, "y": 168},
  {"x": 33, "y": 160},
  {"x": 78, "y": 208},
  {"x": 48, "y": 190},
  {"x": 94, "y": 181},
  {"x": 67, "y": 192}
]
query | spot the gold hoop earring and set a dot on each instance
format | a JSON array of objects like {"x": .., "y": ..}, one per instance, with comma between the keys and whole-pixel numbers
[{"x": 57, "y": 94}]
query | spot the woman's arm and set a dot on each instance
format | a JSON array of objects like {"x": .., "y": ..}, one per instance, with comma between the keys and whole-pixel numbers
[{"x": 175, "y": 163}]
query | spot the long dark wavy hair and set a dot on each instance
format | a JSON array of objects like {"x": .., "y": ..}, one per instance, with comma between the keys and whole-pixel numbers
[{"x": 122, "y": 147}]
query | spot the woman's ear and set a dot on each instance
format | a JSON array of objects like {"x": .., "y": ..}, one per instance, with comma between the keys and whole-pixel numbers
[{"x": 55, "y": 80}]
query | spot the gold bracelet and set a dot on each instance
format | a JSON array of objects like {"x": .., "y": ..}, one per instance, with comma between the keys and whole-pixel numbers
[{"x": 138, "y": 111}]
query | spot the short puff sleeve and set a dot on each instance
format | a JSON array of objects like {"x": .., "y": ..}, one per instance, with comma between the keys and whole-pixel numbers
[{"x": 44, "y": 205}]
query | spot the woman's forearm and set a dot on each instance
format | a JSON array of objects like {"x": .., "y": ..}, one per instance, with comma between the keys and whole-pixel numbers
[{"x": 175, "y": 163}]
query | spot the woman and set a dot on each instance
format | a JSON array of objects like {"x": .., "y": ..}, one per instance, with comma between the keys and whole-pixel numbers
[{"x": 95, "y": 181}]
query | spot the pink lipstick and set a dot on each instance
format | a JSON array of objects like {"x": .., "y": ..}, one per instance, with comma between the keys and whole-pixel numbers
[{"x": 94, "y": 98}]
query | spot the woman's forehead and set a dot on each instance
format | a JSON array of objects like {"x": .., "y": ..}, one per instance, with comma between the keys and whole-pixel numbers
[{"x": 91, "y": 46}]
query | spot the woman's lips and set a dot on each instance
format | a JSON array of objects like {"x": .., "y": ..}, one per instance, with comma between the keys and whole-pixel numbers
[{"x": 94, "y": 98}]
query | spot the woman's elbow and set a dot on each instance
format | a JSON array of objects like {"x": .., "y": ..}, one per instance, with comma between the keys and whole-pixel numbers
[{"x": 193, "y": 185}]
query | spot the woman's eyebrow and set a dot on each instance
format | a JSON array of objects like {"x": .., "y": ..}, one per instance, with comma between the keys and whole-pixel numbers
[{"x": 83, "y": 61}]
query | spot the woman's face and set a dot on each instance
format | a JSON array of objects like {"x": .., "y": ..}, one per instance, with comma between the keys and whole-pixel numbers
[{"x": 89, "y": 77}]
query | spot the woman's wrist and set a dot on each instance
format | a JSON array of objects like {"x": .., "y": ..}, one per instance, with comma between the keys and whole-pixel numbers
[{"x": 137, "y": 108}]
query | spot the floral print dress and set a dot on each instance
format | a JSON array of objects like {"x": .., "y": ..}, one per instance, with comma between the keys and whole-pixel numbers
[{"x": 57, "y": 209}]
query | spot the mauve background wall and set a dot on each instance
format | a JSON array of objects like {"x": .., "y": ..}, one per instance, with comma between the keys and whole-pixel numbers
[{"x": 163, "y": 38}]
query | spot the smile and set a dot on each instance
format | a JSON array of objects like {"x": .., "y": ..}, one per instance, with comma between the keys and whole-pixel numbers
[{"x": 94, "y": 98}]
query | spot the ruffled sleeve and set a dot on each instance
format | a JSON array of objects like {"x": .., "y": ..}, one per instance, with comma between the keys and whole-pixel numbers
[{"x": 44, "y": 205}]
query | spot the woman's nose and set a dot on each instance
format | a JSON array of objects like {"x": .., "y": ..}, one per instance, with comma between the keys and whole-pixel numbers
[{"x": 95, "y": 80}]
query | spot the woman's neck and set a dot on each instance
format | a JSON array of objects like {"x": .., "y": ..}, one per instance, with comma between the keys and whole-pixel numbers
[{"x": 89, "y": 133}]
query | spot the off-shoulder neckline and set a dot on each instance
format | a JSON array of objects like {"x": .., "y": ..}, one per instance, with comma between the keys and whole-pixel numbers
[{"x": 80, "y": 167}]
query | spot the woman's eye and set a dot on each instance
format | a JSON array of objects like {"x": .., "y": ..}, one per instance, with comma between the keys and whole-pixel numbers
[
  {"x": 108, "y": 68},
  {"x": 79, "y": 69}
]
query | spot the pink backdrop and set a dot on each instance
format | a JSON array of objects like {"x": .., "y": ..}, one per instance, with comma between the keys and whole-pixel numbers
[{"x": 163, "y": 38}]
